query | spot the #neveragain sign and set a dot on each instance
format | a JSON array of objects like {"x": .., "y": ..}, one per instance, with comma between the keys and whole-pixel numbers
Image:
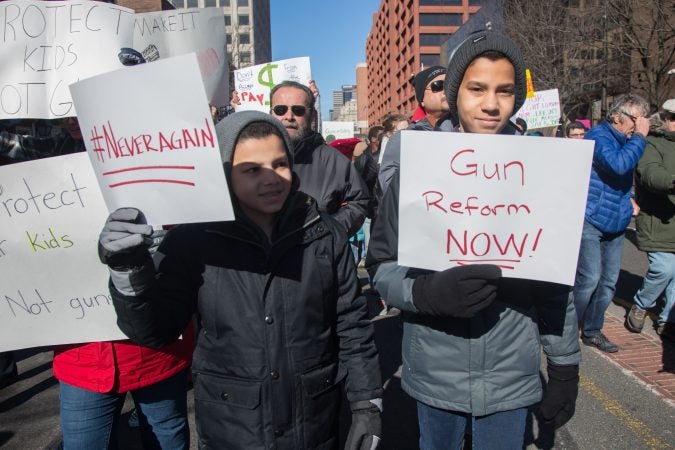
[
  {"x": 53, "y": 288},
  {"x": 514, "y": 201},
  {"x": 541, "y": 111},
  {"x": 151, "y": 140},
  {"x": 255, "y": 83},
  {"x": 45, "y": 46},
  {"x": 200, "y": 30}
]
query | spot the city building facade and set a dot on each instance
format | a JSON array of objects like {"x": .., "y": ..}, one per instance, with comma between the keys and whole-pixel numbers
[
  {"x": 406, "y": 36},
  {"x": 248, "y": 28}
]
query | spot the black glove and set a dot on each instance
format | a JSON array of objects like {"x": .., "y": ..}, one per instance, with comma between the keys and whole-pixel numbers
[
  {"x": 458, "y": 292},
  {"x": 366, "y": 429},
  {"x": 125, "y": 239},
  {"x": 560, "y": 396}
]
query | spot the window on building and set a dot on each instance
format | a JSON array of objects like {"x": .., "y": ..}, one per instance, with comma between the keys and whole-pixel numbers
[
  {"x": 224, "y": 2},
  {"x": 192, "y": 3},
  {"x": 244, "y": 38},
  {"x": 440, "y": 2},
  {"x": 440, "y": 20},
  {"x": 228, "y": 21},
  {"x": 210, "y": 3},
  {"x": 430, "y": 60},
  {"x": 244, "y": 20},
  {"x": 242, "y": 2},
  {"x": 228, "y": 38},
  {"x": 178, "y": 4},
  {"x": 427, "y": 39},
  {"x": 475, "y": 2},
  {"x": 245, "y": 58}
]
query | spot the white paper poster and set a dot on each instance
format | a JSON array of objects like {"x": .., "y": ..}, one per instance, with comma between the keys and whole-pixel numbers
[
  {"x": 514, "y": 201},
  {"x": 339, "y": 130},
  {"x": 255, "y": 83},
  {"x": 153, "y": 145},
  {"x": 46, "y": 46},
  {"x": 540, "y": 111},
  {"x": 53, "y": 288}
]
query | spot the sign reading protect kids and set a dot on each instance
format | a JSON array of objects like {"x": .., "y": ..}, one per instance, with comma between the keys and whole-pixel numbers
[
  {"x": 517, "y": 202},
  {"x": 45, "y": 46},
  {"x": 255, "y": 83},
  {"x": 53, "y": 288},
  {"x": 152, "y": 143}
]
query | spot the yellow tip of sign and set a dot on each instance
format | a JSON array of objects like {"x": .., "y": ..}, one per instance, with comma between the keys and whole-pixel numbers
[{"x": 530, "y": 85}]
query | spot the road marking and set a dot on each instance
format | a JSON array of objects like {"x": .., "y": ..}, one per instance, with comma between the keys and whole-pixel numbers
[{"x": 615, "y": 408}]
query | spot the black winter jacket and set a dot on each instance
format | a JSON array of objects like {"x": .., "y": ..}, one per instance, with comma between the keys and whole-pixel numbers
[
  {"x": 330, "y": 178},
  {"x": 281, "y": 326}
]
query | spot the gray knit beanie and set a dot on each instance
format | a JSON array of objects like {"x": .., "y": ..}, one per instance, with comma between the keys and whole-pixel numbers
[
  {"x": 229, "y": 129},
  {"x": 475, "y": 44}
]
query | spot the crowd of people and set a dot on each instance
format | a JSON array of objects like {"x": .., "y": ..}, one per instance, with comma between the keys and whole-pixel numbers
[{"x": 265, "y": 316}]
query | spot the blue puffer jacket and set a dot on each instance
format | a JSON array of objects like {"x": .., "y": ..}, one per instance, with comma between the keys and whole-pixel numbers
[{"x": 608, "y": 205}]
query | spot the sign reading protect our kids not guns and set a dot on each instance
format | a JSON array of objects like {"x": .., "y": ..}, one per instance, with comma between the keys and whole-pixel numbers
[
  {"x": 542, "y": 110},
  {"x": 45, "y": 46},
  {"x": 517, "y": 202},
  {"x": 255, "y": 83},
  {"x": 153, "y": 146},
  {"x": 159, "y": 35},
  {"x": 53, "y": 288}
]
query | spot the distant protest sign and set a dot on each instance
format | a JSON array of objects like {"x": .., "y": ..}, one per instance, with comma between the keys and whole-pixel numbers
[
  {"x": 176, "y": 32},
  {"x": 517, "y": 202},
  {"x": 53, "y": 288},
  {"x": 340, "y": 130},
  {"x": 255, "y": 83},
  {"x": 153, "y": 145},
  {"x": 48, "y": 45},
  {"x": 542, "y": 110}
]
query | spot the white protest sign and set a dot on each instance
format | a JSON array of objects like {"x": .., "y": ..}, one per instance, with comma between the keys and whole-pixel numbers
[
  {"x": 514, "y": 201},
  {"x": 542, "y": 110},
  {"x": 45, "y": 46},
  {"x": 255, "y": 83},
  {"x": 340, "y": 130},
  {"x": 53, "y": 288},
  {"x": 152, "y": 143},
  {"x": 200, "y": 30}
]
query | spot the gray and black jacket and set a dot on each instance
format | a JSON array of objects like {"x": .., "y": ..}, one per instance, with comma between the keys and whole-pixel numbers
[{"x": 482, "y": 365}]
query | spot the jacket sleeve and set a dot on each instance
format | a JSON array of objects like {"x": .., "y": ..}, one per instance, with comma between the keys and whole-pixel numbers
[
  {"x": 358, "y": 353},
  {"x": 390, "y": 161},
  {"x": 653, "y": 175},
  {"x": 392, "y": 282},
  {"x": 558, "y": 326},
  {"x": 156, "y": 315},
  {"x": 355, "y": 199},
  {"x": 615, "y": 160}
]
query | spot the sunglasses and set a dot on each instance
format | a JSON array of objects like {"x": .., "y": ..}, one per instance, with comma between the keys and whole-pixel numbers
[
  {"x": 297, "y": 110},
  {"x": 436, "y": 86},
  {"x": 631, "y": 117}
]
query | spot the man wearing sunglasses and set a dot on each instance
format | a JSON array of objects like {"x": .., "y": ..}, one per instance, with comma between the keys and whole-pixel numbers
[
  {"x": 323, "y": 173},
  {"x": 620, "y": 141},
  {"x": 430, "y": 95}
]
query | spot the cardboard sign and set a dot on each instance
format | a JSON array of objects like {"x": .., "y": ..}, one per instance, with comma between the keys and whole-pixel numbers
[
  {"x": 45, "y": 46},
  {"x": 255, "y": 83},
  {"x": 540, "y": 111},
  {"x": 159, "y": 35},
  {"x": 514, "y": 201},
  {"x": 341, "y": 130},
  {"x": 153, "y": 145},
  {"x": 53, "y": 288}
]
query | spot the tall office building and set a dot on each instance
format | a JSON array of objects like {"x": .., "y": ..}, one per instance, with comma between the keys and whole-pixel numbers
[
  {"x": 406, "y": 37},
  {"x": 247, "y": 23}
]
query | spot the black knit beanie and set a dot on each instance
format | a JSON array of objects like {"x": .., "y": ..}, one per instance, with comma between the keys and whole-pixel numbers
[
  {"x": 423, "y": 78},
  {"x": 475, "y": 44}
]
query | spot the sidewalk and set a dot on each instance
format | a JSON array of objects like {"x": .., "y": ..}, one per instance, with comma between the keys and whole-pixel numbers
[{"x": 646, "y": 356}]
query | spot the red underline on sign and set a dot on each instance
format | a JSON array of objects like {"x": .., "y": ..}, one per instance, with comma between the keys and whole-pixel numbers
[
  {"x": 189, "y": 183},
  {"x": 112, "y": 172},
  {"x": 463, "y": 262}
]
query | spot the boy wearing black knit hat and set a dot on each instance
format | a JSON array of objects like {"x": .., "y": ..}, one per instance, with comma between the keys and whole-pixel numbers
[{"x": 471, "y": 339}]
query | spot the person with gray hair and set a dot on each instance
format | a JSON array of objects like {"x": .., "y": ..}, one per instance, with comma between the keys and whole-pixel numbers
[{"x": 620, "y": 141}]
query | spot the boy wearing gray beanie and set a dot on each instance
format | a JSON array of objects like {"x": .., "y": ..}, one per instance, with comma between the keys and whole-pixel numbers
[{"x": 471, "y": 339}]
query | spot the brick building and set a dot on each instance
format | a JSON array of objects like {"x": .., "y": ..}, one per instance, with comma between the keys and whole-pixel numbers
[{"x": 406, "y": 37}]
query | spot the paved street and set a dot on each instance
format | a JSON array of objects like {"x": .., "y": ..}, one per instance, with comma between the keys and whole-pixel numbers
[{"x": 626, "y": 400}]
